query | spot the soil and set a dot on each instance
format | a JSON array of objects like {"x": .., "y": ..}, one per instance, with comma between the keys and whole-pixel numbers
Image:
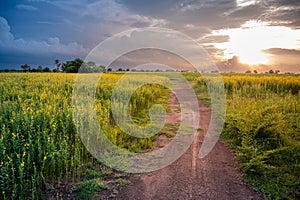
[{"x": 217, "y": 176}]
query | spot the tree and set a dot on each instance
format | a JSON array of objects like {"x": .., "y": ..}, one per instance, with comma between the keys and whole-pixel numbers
[
  {"x": 255, "y": 71},
  {"x": 271, "y": 71},
  {"x": 40, "y": 68},
  {"x": 101, "y": 68},
  {"x": 72, "y": 66},
  {"x": 58, "y": 65},
  {"x": 46, "y": 69},
  {"x": 25, "y": 67},
  {"x": 85, "y": 68}
]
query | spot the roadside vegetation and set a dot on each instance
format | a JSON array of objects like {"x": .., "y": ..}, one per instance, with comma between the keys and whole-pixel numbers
[
  {"x": 38, "y": 141},
  {"x": 263, "y": 128}
]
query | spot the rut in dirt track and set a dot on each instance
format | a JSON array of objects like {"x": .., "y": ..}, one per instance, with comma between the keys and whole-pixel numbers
[{"x": 214, "y": 177}]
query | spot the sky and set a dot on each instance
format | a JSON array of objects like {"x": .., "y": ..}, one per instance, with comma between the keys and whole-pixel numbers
[{"x": 238, "y": 35}]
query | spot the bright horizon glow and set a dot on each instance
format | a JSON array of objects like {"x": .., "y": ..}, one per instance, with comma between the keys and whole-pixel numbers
[{"x": 251, "y": 38}]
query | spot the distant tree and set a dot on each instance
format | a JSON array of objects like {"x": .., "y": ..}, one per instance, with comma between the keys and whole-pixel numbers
[
  {"x": 72, "y": 66},
  {"x": 33, "y": 70},
  {"x": 25, "y": 67},
  {"x": 91, "y": 64},
  {"x": 277, "y": 71},
  {"x": 98, "y": 69},
  {"x": 86, "y": 68},
  {"x": 120, "y": 69},
  {"x": 102, "y": 68},
  {"x": 109, "y": 69},
  {"x": 127, "y": 69},
  {"x": 255, "y": 71},
  {"x": 46, "y": 69},
  {"x": 271, "y": 71},
  {"x": 58, "y": 65},
  {"x": 40, "y": 68}
]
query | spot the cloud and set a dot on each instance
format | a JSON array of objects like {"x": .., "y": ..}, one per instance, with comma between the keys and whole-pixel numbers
[
  {"x": 280, "y": 51},
  {"x": 10, "y": 44},
  {"x": 5, "y": 34},
  {"x": 107, "y": 11},
  {"x": 26, "y": 7},
  {"x": 208, "y": 39},
  {"x": 287, "y": 59},
  {"x": 146, "y": 56},
  {"x": 150, "y": 8},
  {"x": 233, "y": 65}
]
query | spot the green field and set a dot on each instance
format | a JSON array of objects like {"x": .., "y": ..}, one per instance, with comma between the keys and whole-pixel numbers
[
  {"x": 40, "y": 145},
  {"x": 262, "y": 126}
]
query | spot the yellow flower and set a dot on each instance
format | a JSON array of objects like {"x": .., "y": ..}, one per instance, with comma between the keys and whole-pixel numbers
[
  {"x": 22, "y": 164},
  {"x": 45, "y": 157}
]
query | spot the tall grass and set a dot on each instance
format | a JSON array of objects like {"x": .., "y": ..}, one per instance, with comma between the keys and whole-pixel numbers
[
  {"x": 38, "y": 140},
  {"x": 263, "y": 128}
]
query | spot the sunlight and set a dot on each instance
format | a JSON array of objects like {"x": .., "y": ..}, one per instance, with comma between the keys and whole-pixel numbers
[
  {"x": 242, "y": 3},
  {"x": 251, "y": 38}
]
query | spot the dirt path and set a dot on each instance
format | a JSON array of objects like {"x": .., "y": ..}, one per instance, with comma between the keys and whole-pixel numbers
[{"x": 214, "y": 177}]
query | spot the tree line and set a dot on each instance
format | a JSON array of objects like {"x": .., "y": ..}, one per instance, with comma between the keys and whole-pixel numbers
[
  {"x": 70, "y": 66},
  {"x": 73, "y": 66}
]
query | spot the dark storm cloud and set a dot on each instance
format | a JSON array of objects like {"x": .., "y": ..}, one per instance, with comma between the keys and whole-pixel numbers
[
  {"x": 246, "y": 12},
  {"x": 150, "y": 8},
  {"x": 206, "y": 14},
  {"x": 281, "y": 12}
]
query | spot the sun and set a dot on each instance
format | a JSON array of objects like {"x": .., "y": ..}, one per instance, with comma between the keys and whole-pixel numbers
[
  {"x": 249, "y": 41},
  {"x": 253, "y": 58}
]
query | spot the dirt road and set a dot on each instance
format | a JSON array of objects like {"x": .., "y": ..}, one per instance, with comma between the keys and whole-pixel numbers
[{"x": 215, "y": 177}]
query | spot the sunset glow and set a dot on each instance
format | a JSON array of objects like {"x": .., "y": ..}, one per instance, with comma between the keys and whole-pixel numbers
[{"x": 253, "y": 37}]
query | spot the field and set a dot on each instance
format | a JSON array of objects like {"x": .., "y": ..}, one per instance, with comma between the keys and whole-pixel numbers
[
  {"x": 40, "y": 146},
  {"x": 263, "y": 128},
  {"x": 38, "y": 141}
]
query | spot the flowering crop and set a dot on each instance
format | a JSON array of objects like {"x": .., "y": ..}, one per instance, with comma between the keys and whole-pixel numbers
[{"x": 38, "y": 139}]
